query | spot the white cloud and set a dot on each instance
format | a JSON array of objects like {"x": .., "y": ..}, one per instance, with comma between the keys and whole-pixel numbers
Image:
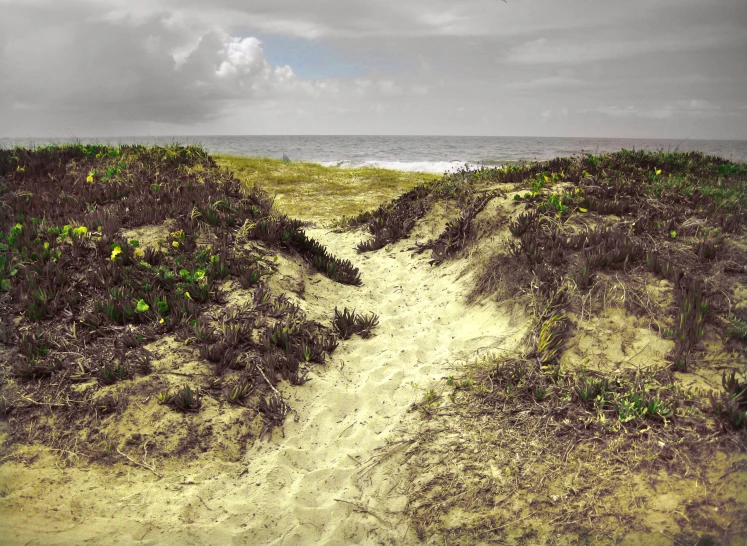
[
  {"x": 243, "y": 56},
  {"x": 98, "y": 72}
]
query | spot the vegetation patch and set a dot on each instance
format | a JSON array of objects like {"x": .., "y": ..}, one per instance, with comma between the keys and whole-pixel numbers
[
  {"x": 392, "y": 222},
  {"x": 520, "y": 445},
  {"x": 91, "y": 318},
  {"x": 336, "y": 192}
]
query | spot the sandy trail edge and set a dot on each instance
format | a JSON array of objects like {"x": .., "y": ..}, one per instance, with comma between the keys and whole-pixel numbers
[{"x": 312, "y": 486}]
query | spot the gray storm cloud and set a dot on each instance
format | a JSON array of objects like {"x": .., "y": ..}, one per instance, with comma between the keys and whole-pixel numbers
[
  {"x": 671, "y": 68},
  {"x": 135, "y": 69}
]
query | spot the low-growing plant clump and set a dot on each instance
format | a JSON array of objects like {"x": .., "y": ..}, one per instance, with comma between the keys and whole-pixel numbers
[
  {"x": 84, "y": 305},
  {"x": 394, "y": 221},
  {"x": 584, "y": 226}
]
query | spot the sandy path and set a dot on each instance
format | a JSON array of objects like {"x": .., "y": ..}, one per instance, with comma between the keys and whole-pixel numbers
[{"x": 289, "y": 491}]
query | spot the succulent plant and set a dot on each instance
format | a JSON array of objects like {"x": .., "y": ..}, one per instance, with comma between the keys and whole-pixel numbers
[
  {"x": 32, "y": 368},
  {"x": 345, "y": 323},
  {"x": 523, "y": 222},
  {"x": 273, "y": 411},
  {"x": 111, "y": 374},
  {"x": 164, "y": 397},
  {"x": 394, "y": 221},
  {"x": 366, "y": 323},
  {"x": 250, "y": 276},
  {"x": 583, "y": 275},
  {"x": 238, "y": 392},
  {"x": 204, "y": 332},
  {"x": 186, "y": 400}
]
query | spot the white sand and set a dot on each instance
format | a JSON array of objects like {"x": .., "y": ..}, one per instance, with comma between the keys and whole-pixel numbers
[{"x": 316, "y": 484}]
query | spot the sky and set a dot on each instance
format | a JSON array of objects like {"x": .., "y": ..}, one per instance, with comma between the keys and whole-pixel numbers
[{"x": 583, "y": 68}]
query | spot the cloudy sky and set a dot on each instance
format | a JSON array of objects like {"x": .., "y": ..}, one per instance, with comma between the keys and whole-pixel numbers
[{"x": 598, "y": 68}]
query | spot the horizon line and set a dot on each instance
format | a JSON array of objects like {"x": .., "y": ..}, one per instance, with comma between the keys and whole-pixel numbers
[{"x": 229, "y": 135}]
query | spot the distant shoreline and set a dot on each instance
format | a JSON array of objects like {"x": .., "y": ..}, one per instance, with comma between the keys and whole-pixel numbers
[{"x": 433, "y": 154}]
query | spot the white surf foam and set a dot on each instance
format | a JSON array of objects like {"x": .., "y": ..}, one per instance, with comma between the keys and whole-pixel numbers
[{"x": 410, "y": 166}]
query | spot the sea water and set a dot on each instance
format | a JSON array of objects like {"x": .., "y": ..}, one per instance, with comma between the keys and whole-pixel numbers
[{"x": 415, "y": 153}]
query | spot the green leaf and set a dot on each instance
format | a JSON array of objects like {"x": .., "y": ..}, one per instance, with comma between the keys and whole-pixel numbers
[
  {"x": 142, "y": 307},
  {"x": 134, "y": 243},
  {"x": 5, "y": 285}
]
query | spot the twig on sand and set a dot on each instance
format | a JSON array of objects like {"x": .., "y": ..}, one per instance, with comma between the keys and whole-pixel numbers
[
  {"x": 133, "y": 461},
  {"x": 365, "y": 509},
  {"x": 277, "y": 393},
  {"x": 394, "y": 447}
]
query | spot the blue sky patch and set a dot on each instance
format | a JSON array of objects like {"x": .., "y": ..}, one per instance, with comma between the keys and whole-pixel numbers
[{"x": 309, "y": 58}]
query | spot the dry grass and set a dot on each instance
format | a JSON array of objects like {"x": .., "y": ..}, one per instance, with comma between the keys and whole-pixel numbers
[
  {"x": 522, "y": 448},
  {"x": 515, "y": 470},
  {"x": 335, "y": 192}
]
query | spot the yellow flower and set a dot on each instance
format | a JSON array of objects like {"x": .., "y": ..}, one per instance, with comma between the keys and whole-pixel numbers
[
  {"x": 160, "y": 321},
  {"x": 186, "y": 295},
  {"x": 89, "y": 178},
  {"x": 116, "y": 251},
  {"x": 139, "y": 252},
  {"x": 175, "y": 244},
  {"x": 658, "y": 172}
]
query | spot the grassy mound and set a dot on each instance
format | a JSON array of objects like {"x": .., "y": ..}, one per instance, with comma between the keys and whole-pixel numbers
[
  {"x": 336, "y": 192},
  {"x": 632, "y": 266},
  {"x": 129, "y": 273}
]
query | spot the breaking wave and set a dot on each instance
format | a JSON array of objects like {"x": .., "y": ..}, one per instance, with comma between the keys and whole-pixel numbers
[{"x": 439, "y": 167}]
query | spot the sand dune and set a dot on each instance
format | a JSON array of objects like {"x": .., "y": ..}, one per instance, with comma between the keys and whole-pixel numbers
[{"x": 316, "y": 482}]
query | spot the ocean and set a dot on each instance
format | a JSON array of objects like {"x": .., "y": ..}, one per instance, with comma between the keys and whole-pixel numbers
[{"x": 415, "y": 153}]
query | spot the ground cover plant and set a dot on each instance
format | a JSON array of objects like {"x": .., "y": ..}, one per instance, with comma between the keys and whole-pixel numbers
[
  {"x": 529, "y": 442},
  {"x": 87, "y": 311},
  {"x": 394, "y": 221}
]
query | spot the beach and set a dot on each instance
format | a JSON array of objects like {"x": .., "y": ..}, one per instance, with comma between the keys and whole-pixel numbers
[{"x": 505, "y": 395}]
